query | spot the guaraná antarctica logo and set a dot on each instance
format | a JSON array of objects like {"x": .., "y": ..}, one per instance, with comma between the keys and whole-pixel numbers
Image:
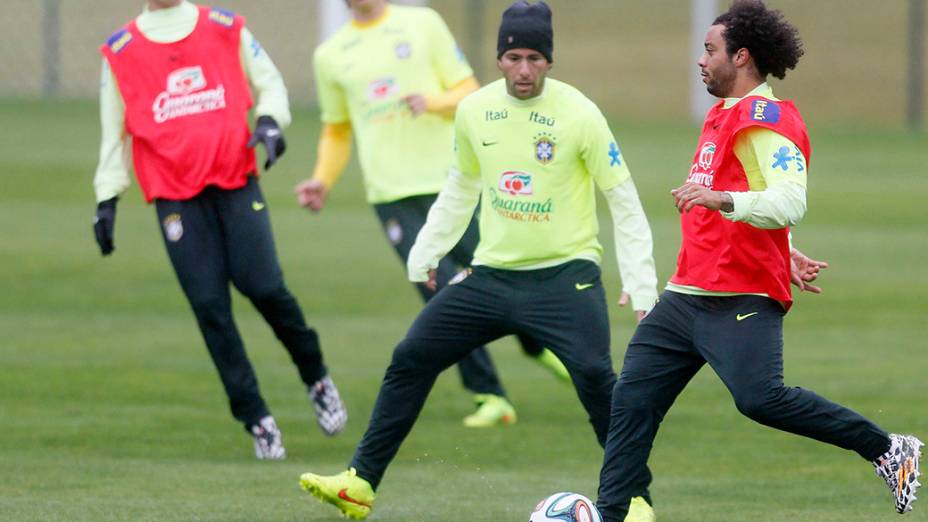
[
  {"x": 702, "y": 172},
  {"x": 516, "y": 183},
  {"x": 382, "y": 88},
  {"x": 185, "y": 95},
  {"x": 508, "y": 199}
]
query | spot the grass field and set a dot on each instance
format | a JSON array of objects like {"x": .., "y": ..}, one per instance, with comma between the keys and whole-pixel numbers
[{"x": 112, "y": 411}]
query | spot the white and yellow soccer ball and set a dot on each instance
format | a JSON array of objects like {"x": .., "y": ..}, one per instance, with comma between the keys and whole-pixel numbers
[{"x": 566, "y": 507}]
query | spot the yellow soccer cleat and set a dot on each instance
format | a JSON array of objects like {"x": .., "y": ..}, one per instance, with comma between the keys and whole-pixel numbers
[
  {"x": 351, "y": 494},
  {"x": 640, "y": 511},
  {"x": 550, "y": 361},
  {"x": 492, "y": 410}
]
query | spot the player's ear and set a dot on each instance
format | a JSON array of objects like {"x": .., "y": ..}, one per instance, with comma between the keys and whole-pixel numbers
[{"x": 741, "y": 57}]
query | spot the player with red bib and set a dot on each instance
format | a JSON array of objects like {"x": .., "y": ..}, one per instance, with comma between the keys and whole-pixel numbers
[
  {"x": 175, "y": 84},
  {"x": 725, "y": 304}
]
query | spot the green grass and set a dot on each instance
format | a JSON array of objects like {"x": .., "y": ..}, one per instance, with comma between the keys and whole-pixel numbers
[{"x": 111, "y": 409}]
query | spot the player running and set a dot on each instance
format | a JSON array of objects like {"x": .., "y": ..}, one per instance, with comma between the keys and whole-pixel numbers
[
  {"x": 395, "y": 76},
  {"x": 176, "y": 82},
  {"x": 725, "y": 304},
  {"x": 532, "y": 149}
]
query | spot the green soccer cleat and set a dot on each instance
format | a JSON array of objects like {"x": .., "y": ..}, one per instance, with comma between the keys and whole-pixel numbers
[
  {"x": 550, "y": 361},
  {"x": 491, "y": 411},
  {"x": 640, "y": 511},
  {"x": 351, "y": 494}
]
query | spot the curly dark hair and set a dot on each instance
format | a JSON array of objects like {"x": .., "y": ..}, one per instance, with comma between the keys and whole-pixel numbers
[{"x": 772, "y": 41}]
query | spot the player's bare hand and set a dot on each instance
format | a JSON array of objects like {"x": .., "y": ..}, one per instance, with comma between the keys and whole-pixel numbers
[
  {"x": 432, "y": 283},
  {"x": 311, "y": 194},
  {"x": 804, "y": 270},
  {"x": 624, "y": 299},
  {"x": 693, "y": 194},
  {"x": 416, "y": 103}
]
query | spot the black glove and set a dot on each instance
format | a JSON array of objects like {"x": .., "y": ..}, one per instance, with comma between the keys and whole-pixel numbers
[
  {"x": 103, "y": 224},
  {"x": 268, "y": 133}
]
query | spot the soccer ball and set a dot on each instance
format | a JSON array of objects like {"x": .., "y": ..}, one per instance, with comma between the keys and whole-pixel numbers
[{"x": 566, "y": 507}]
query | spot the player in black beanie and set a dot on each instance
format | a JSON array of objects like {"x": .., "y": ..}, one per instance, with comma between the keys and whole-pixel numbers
[
  {"x": 524, "y": 48},
  {"x": 526, "y": 26}
]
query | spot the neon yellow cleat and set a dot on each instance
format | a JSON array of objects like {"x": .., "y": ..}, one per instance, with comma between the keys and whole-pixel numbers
[
  {"x": 351, "y": 494},
  {"x": 492, "y": 410},
  {"x": 640, "y": 511},
  {"x": 550, "y": 361}
]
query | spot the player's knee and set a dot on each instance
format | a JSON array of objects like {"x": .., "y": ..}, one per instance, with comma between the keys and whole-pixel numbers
[
  {"x": 409, "y": 355},
  {"x": 211, "y": 310},
  {"x": 759, "y": 404},
  {"x": 263, "y": 291},
  {"x": 619, "y": 392},
  {"x": 420, "y": 356},
  {"x": 593, "y": 376},
  {"x": 636, "y": 395}
]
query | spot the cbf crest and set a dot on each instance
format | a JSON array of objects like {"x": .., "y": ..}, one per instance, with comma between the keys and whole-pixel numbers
[
  {"x": 545, "y": 147},
  {"x": 173, "y": 227},
  {"x": 403, "y": 50}
]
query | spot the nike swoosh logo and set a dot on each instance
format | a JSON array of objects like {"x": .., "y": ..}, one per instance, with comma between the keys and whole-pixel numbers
[
  {"x": 343, "y": 494},
  {"x": 580, "y": 287},
  {"x": 257, "y": 206},
  {"x": 745, "y": 316},
  {"x": 489, "y": 143}
]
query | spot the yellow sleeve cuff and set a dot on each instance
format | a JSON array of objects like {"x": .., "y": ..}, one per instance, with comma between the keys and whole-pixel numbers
[
  {"x": 334, "y": 152},
  {"x": 446, "y": 102}
]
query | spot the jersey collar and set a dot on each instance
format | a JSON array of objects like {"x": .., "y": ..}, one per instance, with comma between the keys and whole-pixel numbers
[
  {"x": 763, "y": 89},
  {"x": 529, "y": 102},
  {"x": 370, "y": 24},
  {"x": 168, "y": 25},
  {"x": 169, "y": 11}
]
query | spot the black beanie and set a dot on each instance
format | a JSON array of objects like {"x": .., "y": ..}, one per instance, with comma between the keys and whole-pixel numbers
[{"x": 526, "y": 26}]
